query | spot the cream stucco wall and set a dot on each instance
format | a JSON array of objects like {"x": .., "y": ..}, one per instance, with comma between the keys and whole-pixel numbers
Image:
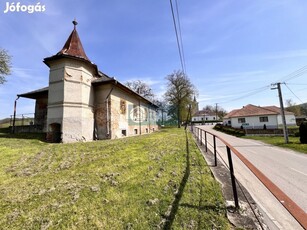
[
  {"x": 113, "y": 114},
  {"x": 71, "y": 99}
]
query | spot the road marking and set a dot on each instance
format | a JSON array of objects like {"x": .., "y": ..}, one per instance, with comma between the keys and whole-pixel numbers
[{"x": 298, "y": 171}]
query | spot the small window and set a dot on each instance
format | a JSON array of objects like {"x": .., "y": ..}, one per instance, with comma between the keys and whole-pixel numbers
[
  {"x": 263, "y": 119},
  {"x": 135, "y": 131},
  {"x": 241, "y": 120},
  {"x": 124, "y": 132}
]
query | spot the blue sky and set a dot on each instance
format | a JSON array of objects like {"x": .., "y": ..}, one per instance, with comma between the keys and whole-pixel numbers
[{"x": 232, "y": 48}]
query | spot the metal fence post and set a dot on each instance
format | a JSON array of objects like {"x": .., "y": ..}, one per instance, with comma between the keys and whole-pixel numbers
[
  {"x": 198, "y": 134},
  {"x": 206, "y": 144},
  {"x": 214, "y": 146},
  {"x": 233, "y": 179},
  {"x": 201, "y": 137}
]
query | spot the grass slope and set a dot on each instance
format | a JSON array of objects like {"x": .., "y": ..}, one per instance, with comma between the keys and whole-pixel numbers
[
  {"x": 294, "y": 142},
  {"x": 156, "y": 181}
]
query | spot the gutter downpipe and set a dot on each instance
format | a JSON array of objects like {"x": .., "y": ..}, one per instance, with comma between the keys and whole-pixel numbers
[
  {"x": 14, "y": 118},
  {"x": 108, "y": 116},
  {"x": 149, "y": 111},
  {"x": 140, "y": 117}
]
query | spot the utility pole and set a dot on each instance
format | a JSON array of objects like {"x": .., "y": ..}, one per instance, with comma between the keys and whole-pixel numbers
[{"x": 282, "y": 112}]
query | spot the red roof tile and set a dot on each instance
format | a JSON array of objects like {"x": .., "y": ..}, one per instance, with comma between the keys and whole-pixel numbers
[
  {"x": 204, "y": 113},
  {"x": 72, "y": 49},
  {"x": 73, "y": 46},
  {"x": 252, "y": 110}
]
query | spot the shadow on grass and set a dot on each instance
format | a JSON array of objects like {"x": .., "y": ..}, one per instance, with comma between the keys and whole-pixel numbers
[
  {"x": 33, "y": 136},
  {"x": 200, "y": 208},
  {"x": 170, "y": 218}
]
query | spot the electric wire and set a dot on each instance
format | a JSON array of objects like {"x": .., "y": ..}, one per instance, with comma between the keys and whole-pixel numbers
[
  {"x": 177, "y": 37},
  {"x": 180, "y": 36},
  {"x": 297, "y": 73},
  {"x": 295, "y": 84},
  {"x": 256, "y": 91},
  {"x": 288, "y": 77},
  {"x": 293, "y": 93}
]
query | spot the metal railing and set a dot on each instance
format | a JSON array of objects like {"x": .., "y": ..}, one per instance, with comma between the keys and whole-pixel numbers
[{"x": 202, "y": 138}]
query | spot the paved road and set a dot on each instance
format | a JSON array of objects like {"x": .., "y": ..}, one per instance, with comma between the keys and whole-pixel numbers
[{"x": 286, "y": 168}]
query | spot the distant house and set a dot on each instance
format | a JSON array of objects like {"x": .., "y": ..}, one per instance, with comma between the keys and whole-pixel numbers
[
  {"x": 81, "y": 103},
  {"x": 257, "y": 117},
  {"x": 202, "y": 116}
]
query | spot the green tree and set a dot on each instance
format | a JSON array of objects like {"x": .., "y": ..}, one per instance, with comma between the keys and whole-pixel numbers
[
  {"x": 5, "y": 65},
  {"x": 179, "y": 94},
  {"x": 292, "y": 107}
]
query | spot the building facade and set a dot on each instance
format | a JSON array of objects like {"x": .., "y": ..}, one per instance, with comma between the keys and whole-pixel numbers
[
  {"x": 203, "y": 116},
  {"x": 81, "y": 103},
  {"x": 256, "y": 117}
]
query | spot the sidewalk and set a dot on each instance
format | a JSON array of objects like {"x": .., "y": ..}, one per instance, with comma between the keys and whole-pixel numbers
[{"x": 274, "y": 214}]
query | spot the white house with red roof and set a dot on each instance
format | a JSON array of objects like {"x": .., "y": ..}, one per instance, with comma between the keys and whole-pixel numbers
[{"x": 257, "y": 117}]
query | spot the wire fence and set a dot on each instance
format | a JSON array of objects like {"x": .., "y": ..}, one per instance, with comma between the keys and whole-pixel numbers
[{"x": 22, "y": 119}]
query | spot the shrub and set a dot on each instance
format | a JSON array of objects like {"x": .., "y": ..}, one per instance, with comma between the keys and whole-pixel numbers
[
  {"x": 303, "y": 132},
  {"x": 229, "y": 130}
]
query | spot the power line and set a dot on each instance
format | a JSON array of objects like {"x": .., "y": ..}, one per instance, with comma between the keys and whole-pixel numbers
[
  {"x": 295, "y": 84},
  {"x": 295, "y": 74},
  {"x": 256, "y": 91},
  {"x": 293, "y": 93},
  {"x": 178, "y": 36}
]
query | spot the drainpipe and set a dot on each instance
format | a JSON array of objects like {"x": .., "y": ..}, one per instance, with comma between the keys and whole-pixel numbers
[
  {"x": 14, "y": 118},
  {"x": 108, "y": 119},
  {"x": 108, "y": 116},
  {"x": 140, "y": 118},
  {"x": 149, "y": 111}
]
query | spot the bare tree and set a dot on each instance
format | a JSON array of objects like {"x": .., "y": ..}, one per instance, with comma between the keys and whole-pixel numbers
[
  {"x": 5, "y": 65},
  {"x": 141, "y": 88},
  {"x": 179, "y": 94},
  {"x": 218, "y": 110}
]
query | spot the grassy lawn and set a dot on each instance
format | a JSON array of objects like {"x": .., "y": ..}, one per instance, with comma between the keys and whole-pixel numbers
[
  {"x": 294, "y": 142},
  {"x": 156, "y": 181}
]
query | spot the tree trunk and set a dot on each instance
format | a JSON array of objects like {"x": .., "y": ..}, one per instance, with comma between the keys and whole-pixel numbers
[{"x": 178, "y": 114}]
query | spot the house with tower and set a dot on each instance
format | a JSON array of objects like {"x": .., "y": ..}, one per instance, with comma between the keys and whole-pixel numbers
[{"x": 81, "y": 103}]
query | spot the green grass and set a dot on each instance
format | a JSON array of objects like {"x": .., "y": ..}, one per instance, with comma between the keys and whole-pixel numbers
[
  {"x": 294, "y": 142},
  {"x": 145, "y": 182}
]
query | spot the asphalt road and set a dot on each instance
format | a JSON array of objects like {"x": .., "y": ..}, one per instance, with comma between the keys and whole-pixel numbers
[{"x": 285, "y": 168}]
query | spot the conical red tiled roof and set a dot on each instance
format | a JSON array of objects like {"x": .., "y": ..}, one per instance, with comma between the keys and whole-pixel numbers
[
  {"x": 72, "y": 49},
  {"x": 73, "y": 46}
]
